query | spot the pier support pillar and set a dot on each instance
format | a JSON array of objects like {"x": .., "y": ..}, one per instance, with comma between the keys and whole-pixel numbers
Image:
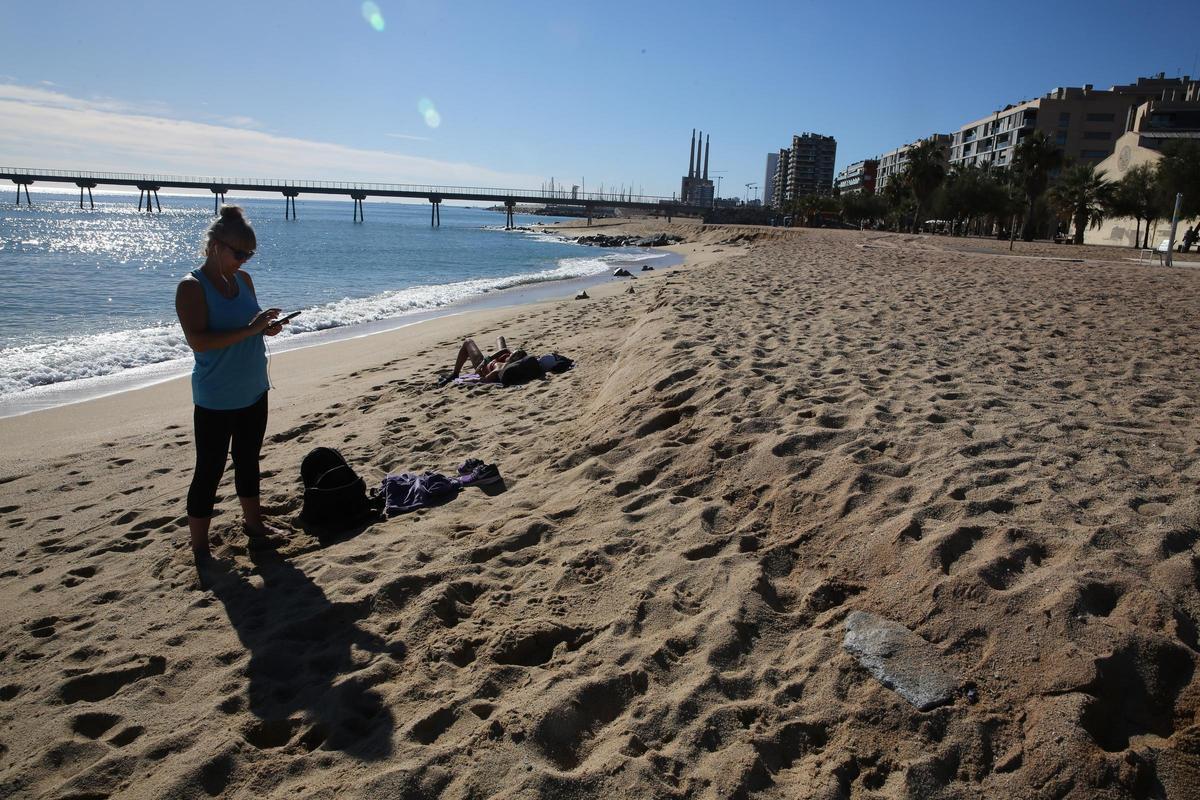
[
  {"x": 358, "y": 198},
  {"x": 23, "y": 182},
  {"x": 289, "y": 204},
  {"x": 89, "y": 185},
  {"x": 150, "y": 192},
  {"x": 509, "y": 221},
  {"x": 435, "y": 212},
  {"x": 218, "y": 197}
]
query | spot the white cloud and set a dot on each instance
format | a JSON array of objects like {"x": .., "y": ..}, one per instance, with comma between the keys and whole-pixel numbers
[
  {"x": 409, "y": 137},
  {"x": 51, "y": 130},
  {"x": 239, "y": 121}
]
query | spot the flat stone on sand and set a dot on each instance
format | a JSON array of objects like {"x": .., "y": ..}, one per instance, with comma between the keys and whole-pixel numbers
[{"x": 900, "y": 659}]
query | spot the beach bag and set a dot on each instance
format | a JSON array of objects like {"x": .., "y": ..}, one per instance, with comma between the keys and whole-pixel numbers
[
  {"x": 521, "y": 370},
  {"x": 335, "y": 498},
  {"x": 555, "y": 362}
]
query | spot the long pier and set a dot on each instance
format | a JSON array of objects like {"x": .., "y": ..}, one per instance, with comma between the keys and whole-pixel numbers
[{"x": 149, "y": 185}]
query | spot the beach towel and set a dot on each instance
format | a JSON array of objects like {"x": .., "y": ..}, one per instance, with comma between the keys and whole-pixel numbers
[{"x": 407, "y": 491}]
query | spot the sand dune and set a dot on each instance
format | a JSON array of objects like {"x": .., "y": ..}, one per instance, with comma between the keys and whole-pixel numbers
[{"x": 999, "y": 453}]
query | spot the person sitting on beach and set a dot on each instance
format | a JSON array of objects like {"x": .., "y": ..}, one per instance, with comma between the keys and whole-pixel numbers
[
  {"x": 486, "y": 367},
  {"x": 224, "y": 325}
]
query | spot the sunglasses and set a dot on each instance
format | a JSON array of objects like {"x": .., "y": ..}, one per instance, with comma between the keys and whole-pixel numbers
[{"x": 240, "y": 255}]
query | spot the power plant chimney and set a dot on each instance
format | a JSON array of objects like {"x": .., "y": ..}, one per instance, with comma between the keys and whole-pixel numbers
[
  {"x": 692, "y": 155},
  {"x": 707, "y": 149}
]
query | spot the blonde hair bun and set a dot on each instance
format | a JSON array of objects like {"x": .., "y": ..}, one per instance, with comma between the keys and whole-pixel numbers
[{"x": 232, "y": 228}]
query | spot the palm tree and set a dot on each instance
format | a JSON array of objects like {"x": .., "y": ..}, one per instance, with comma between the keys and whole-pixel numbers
[
  {"x": 1081, "y": 193},
  {"x": 897, "y": 197},
  {"x": 1035, "y": 158},
  {"x": 1179, "y": 171},
  {"x": 1139, "y": 195},
  {"x": 926, "y": 171},
  {"x": 862, "y": 206}
]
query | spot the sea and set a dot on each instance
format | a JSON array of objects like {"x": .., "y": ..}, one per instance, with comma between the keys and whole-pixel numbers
[{"x": 87, "y": 296}]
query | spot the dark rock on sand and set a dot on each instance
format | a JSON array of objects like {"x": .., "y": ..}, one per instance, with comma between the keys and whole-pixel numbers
[
  {"x": 900, "y": 659},
  {"x": 623, "y": 273},
  {"x": 658, "y": 240},
  {"x": 604, "y": 240}
]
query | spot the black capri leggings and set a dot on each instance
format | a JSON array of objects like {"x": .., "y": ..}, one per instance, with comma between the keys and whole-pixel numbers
[{"x": 215, "y": 430}]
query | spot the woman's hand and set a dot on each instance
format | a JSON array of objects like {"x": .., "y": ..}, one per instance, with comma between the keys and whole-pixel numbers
[{"x": 265, "y": 319}]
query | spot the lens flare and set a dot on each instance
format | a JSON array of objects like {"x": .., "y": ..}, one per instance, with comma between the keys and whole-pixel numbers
[
  {"x": 373, "y": 15},
  {"x": 426, "y": 109}
]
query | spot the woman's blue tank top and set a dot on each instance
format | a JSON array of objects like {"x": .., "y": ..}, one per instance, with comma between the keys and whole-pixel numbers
[{"x": 234, "y": 376}]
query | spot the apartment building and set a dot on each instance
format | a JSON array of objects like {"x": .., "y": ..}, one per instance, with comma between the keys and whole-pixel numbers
[
  {"x": 858, "y": 177},
  {"x": 779, "y": 194},
  {"x": 893, "y": 162},
  {"x": 1083, "y": 122},
  {"x": 805, "y": 168},
  {"x": 768, "y": 185}
]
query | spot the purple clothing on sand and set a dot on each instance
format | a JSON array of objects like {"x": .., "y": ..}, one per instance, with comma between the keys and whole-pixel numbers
[{"x": 408, "y": 492}]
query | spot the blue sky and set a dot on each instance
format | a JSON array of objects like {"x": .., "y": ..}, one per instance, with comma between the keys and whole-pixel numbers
[{"x": 606, "y": 93}]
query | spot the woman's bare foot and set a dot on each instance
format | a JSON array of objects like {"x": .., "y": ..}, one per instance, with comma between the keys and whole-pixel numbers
[{"x": 261, "y": 529}]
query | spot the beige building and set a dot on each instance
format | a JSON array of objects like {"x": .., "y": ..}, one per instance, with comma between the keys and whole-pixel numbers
[
  {"x": 893, "y": 162},
  {"x": 1153, "y": 124},
  {"x": 1083, "y": 121}
]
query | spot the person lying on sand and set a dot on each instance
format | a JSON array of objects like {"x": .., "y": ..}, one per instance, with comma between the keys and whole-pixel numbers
[{"x": 487, "y": 367}]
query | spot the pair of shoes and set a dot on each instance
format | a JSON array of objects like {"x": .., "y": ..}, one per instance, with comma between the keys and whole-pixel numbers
[
  {"x": 480, "y": 475},
  {"x": 469, "y": 466}
]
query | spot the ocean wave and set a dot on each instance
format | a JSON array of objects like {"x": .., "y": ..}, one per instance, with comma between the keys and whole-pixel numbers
[
  {"x": 532, "y": 235},
  {"x": 52, "y": 361}
]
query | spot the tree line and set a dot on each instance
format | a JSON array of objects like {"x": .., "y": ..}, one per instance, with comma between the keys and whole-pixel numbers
[{"x": 1041, "y": 192}]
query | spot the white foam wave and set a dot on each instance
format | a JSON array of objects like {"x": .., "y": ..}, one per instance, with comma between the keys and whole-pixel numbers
[
  {"x": 77, "y": 357},
  {"x": 531, "y": 235},
  {"x": 42, "y": 363}
]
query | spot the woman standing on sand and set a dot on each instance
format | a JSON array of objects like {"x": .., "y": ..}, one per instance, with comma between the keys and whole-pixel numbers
[{"x": 224, "y": 326}]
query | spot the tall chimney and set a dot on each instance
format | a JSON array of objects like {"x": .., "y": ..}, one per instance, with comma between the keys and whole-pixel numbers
[
  {"x": 692, "y": 155},
  {"x": 707, "y": 149}
]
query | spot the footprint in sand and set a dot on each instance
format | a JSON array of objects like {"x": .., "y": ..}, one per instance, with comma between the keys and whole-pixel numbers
[{"x": 96, "y": 686}]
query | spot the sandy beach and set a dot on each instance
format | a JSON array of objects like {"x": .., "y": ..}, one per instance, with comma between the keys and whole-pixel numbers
[{"x": 997, "y": 451}]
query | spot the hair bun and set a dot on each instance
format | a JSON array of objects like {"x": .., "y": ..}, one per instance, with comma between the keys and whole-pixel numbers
[{"x": 232, "y": 212}]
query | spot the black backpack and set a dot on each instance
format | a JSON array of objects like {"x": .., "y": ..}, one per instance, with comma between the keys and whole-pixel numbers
[
  {"x": 335, "y": 498},
  {"x": 521, "y": 370}
]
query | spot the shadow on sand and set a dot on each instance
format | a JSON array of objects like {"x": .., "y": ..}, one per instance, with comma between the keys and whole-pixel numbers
[{"x": 304, "y": 653}]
